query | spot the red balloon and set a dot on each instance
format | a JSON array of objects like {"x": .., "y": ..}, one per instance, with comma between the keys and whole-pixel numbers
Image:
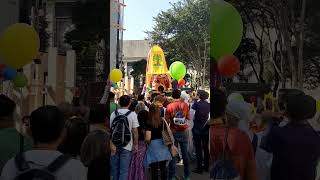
[
  {"x": 228, "y": 66},
  {"x": 181, "y": 82},
  {"x": 2, "y": 66}
]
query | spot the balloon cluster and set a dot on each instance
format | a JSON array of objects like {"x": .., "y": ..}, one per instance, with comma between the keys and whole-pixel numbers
[
  {"x": 115, "y": 76},
  {"x": 178, "y": 71},
  {"x": 115, "y": 86},
  {"x": 19, "y": 45},
  {"x": 9, "y": 74},
  {"x": 226, "y": 33}
]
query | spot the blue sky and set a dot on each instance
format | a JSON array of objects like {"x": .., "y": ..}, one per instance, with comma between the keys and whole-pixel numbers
[{"x": 138, "y": 16}]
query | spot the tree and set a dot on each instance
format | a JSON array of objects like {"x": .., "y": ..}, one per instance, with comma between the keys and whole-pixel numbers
[
  {"x": 246, "y": 54},
  {"x": 90, "y": 29},
  {"x": 183, "y": 33},
  {"x": 289, "y": 29},
  {"x": 139, "y": 69}
]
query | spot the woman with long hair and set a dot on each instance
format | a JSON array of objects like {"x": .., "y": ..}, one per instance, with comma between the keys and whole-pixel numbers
[
  {"x": 95, "y": 155},
  {"x": 158, "y": 153}
]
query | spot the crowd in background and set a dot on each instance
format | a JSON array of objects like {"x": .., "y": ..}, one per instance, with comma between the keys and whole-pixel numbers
[
  {"x": 146, "y": 136},
  {"x": 67, "y": 141}
]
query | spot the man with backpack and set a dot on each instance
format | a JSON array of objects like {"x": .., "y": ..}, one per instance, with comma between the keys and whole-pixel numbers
[
  {"x": 44, "y": 162},
  {"x": 124, "y": 138},
  {"x": 177, "y": 113}
]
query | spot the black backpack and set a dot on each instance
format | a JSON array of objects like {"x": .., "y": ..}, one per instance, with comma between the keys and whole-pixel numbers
[
  {"x": 121, "y": 134},
  {"x": 47, "y": 173}
]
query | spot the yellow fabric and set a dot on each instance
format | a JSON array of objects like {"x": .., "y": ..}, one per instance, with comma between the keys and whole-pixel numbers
[{"x": 156, "y": 63}]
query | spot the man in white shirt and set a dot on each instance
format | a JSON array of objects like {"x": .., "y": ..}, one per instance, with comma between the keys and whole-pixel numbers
[
  {"x": 121, "y": 156},
  {"x": 46, "y": 125}
]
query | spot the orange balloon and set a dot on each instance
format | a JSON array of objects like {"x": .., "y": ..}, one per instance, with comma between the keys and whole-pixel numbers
[
  {"x": 228, "y": 66},
  {"x": 181, "y": 82}
]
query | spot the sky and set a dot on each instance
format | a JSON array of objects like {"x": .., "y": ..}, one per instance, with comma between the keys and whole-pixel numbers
[{"x": 138, "y": 16}]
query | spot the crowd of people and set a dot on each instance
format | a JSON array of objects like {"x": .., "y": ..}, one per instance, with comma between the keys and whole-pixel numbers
[
  {"x": 146, "y": 136},
  {"x": 230, "y": 138},
  {"x": 161, "y": 128},
  {"x": 67, "y": 141}
]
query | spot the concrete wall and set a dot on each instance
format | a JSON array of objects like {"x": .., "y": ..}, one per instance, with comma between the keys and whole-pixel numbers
[{"x": 135, "y": 50}]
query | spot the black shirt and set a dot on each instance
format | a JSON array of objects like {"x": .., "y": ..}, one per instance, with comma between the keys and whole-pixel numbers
[
  {"x": 296, "y": 151},
  {"x": 156, "y": 133}
]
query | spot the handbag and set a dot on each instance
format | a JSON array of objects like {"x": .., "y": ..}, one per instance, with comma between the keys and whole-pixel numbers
[
  {"x": 168, "y": 138},
  {"x": 167, "y": 135}
]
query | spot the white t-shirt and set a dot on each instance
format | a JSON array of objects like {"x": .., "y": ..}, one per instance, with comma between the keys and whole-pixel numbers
[
  {"x": 71, "y": 170},
  {"x": 133, "y": 123}
]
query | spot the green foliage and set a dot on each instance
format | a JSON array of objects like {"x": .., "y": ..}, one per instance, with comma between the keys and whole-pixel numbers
[
  {"x": 270, "y": 15},
  {"x": 139, "y": 68},
  {"x": 90, "y": 22},
  {"x": 183, "y": 33}
]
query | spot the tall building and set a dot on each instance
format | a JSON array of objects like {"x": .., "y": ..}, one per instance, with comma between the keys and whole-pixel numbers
[{"x": 116, "y": 32}]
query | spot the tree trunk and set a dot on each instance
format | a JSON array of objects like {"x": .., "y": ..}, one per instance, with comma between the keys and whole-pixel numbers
[
  {"x": 300, "y": 46},
  {"x": 287, "y": 43},
  {"x": 254, "y": 70},
  {"x": 276, "y": 84}
]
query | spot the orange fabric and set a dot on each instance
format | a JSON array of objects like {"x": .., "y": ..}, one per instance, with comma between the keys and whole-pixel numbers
[
  {"x": 240, "y": 150},
  {"x": 171, "y": 111}
]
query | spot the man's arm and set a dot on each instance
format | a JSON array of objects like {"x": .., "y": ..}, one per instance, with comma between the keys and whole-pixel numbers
[
  {"x": 105, "y": 96},
  {"x": 135, "y": 125},
  {"x": 113, "y": 148}
]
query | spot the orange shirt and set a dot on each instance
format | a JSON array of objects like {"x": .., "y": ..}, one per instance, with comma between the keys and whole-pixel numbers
[
  {"x": 240, "y": 150},
  {"x": 171, "y": 111}
]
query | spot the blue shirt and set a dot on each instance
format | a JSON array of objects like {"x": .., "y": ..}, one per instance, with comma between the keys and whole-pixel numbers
[
  {"x": 201, "y": 116},
  {"x": 296, "y": 150}
]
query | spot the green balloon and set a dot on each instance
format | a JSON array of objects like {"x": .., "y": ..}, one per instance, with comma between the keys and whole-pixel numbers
[
  {"x": 20, "y": 81},
  {"x": 226, "y": 29},
  {"x": 178, "y": 70}
]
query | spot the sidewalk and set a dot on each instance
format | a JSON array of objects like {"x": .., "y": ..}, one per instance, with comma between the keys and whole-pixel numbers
[{"x": 194, "y": 176}]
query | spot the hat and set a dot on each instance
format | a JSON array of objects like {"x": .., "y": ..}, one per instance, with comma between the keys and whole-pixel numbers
[
  {"x": 185, "y": 96},
  {"x": 235, "y": 96},
  {"x": 242, "y": 111}
]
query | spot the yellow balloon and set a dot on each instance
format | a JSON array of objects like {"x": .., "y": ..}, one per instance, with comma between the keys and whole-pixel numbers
[
  {"x": 115, "y": 75},
  {"x": 19, "y": 45}
]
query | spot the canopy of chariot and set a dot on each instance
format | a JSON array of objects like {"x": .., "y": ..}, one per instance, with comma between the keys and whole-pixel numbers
[{"x": 157, "y": 73}]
